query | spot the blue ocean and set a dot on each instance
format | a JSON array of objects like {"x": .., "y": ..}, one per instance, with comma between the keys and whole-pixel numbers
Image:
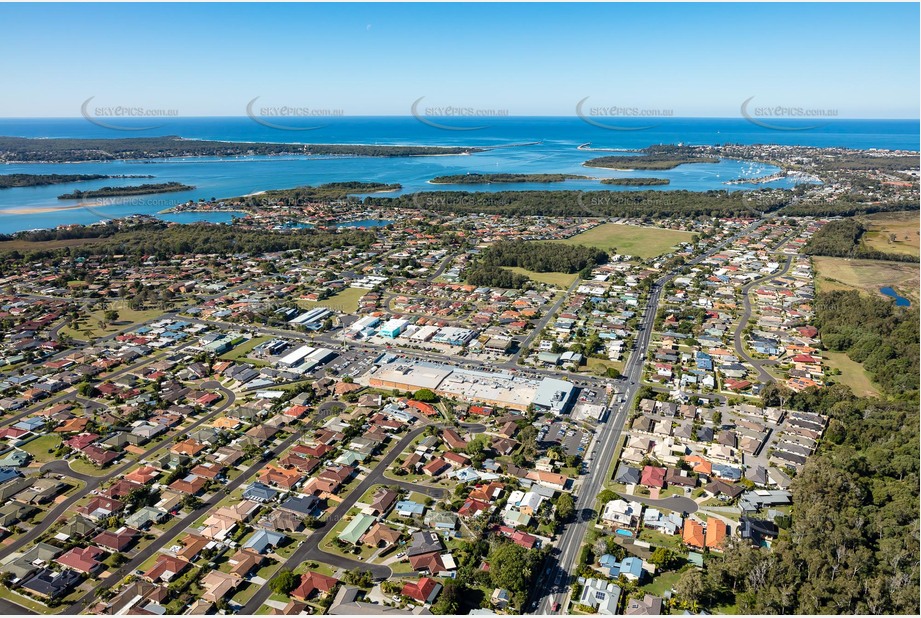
[{"x": 518, "y": 145}]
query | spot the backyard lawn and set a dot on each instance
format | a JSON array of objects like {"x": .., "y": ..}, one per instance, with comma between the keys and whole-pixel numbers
[
  {"x": 661, "y": 540},
  {"x": 662, "y": 583}
]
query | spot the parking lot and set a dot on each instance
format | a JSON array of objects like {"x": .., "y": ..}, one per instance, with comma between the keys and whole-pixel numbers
[{"x": 571, "y": 438}]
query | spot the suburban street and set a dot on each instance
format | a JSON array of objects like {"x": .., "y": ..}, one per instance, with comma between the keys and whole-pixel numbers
[
  {"x": 93, "y": 482},
  {"x": 553, "y": 582},
  {"x": 116, "y": 576},
  {"x": 310, "y": 549},
  {"x": 542, "y": 323},
  {"x": 758, "y": 365}
]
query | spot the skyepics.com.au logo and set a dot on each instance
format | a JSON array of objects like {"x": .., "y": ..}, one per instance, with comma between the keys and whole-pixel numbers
[
  {"x": 784, "y": 117},
  {"x": 620, "y": 117},
  {"x": 285, "y": 117},
  {"x": 450, "y": 117},
  {"x": 605, "y": 204},
  {"x": 611, "y": 204},
  {"x": 118, "y": 117},
  {"x": 460, "y": 202},
  {"x": 111, "y": 208}
]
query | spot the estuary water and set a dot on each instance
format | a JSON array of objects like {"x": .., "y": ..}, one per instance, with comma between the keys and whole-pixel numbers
[{"x": 519, "y": 145}]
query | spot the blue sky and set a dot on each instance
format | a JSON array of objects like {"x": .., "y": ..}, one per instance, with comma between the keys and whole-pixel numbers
[{"x": 537, "y": 59}]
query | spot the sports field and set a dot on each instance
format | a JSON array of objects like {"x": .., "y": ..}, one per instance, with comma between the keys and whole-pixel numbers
[{"x": 642, "y": 242}]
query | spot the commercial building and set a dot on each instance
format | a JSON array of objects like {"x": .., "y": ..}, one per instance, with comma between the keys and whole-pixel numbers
[
  {"x": 393, "y": 327},
  {"x": 294, "y": 358},
  {"x": 364, "y": 324},
  {"x": 554, "y": 395},
  {"x": 306, "y": 357},
  {"x": 313, "y": 319},
  {"x": 500, "y": 389},
  {"x": 424, "y": 334},
  {"x": 454, "y": 336}
]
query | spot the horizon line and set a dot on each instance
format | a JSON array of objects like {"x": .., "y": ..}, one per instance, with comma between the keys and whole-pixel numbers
[{"x": 472, "y": 118}]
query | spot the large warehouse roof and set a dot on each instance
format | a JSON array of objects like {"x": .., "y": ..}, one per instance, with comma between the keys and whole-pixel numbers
[{"x": 496, "y": 388}]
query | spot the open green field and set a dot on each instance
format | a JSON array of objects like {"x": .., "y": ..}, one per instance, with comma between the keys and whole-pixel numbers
[
  {"x": 89, "y": 324},
  {"x": 598, "y": 366},
  {"x": 852, "y": 374},
  {"x": 643, "y": 242},
  {"x": 345, "y": 301},
  {"x": 244, "y": 348},
  {"x": 866, "y": 276},
  {"x": 38, "y": 447},
  {"x": 893, "y": 232},
  {"x": 563, "y": 280}
]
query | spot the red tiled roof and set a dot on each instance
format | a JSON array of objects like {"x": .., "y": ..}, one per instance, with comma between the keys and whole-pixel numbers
[
  {"x": 421, "y": 590},
  {"x": 653, "y": 477},
  {"x": 312, "y": 582}
]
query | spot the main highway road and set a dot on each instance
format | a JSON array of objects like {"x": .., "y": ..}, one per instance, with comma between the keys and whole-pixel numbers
[{"x": 550, "y": 591}]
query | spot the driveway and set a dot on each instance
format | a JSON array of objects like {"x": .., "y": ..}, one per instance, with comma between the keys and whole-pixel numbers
[
  {"x": 679, "y": 504},
  {"x": 8, "y": 608}
]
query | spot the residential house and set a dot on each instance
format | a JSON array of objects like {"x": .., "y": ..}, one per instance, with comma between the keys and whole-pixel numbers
[
  {"x": 425, "y": 590},
  {"x": 312, "y": 583}
]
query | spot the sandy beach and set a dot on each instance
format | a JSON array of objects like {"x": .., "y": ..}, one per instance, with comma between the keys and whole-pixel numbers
[{"x": 37, "y": 210}]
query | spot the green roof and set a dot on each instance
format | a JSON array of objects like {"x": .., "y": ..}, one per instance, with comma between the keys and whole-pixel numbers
[{"x": 356, "y": 528}]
